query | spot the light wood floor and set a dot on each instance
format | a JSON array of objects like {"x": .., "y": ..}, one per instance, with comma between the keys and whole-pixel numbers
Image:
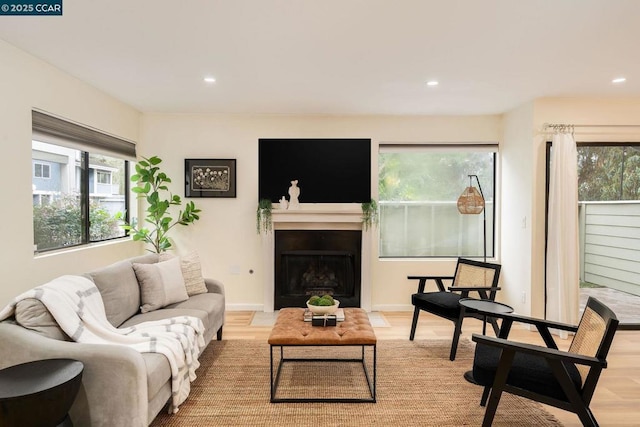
[{"x": 617, "y": 398}]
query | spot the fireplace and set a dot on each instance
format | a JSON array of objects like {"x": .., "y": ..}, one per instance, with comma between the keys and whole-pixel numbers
[
  {"x": 319, "y": 217},
  {"x": 317, "y": 262}
]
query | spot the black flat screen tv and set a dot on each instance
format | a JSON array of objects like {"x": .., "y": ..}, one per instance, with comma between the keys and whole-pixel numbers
[{"x": 327, "y": 170}]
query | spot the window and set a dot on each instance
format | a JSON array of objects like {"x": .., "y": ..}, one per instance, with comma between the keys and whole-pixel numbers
[
  {"x": 41, "y": 170},
  {"x": 608, "y": 172},
  {"x": 87, "y": 185},
  {"x": 419, "y": 186},
  {"x": 608, "y": 226},
  {"x": 104, "y": 177},
  {"x": 41, "y": 199}
]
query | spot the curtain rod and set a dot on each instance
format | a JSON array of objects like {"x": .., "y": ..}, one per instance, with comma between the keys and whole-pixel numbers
[{"x": 560, "y": 125}]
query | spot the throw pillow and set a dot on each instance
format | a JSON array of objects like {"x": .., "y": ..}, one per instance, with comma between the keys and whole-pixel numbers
[
  {"x": 161, "y": 284},
  {"x": 191, "y": 272}
]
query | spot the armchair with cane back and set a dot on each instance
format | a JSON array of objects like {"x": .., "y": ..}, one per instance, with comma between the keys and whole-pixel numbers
[
  {"x": 564, "y": 379},
  {"x": 481, "y": 278}
]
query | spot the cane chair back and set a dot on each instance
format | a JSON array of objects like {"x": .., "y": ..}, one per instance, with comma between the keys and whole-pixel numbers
[
  {"x": 475, "y": 276},
  {"x": 588, "y": 337}
]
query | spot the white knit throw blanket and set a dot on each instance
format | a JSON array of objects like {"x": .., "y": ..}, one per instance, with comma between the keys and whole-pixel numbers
[{"x": 77, "y": 306}]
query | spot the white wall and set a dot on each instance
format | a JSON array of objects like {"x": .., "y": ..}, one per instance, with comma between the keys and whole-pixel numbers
[
  {"x": 611, "y": 117},
  {"x": 516, "y": 153},
  {"x": 226, "y": 237},
  {"x": 524, "y": 179},
  {"x": 26, "y": 83}
]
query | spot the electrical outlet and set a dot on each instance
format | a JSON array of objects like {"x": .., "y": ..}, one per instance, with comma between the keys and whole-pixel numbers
[
  {"x": 234, "y": 269},
  {"x": 524, "y": 297},
  {"x": 524, "y": 222}
]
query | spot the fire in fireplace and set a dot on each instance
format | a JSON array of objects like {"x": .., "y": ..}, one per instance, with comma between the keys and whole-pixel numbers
[{"x": 317, "y": 262}]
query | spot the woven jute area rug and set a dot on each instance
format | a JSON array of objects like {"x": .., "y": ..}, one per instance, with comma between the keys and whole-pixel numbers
[{"x": 417, "y": 386}]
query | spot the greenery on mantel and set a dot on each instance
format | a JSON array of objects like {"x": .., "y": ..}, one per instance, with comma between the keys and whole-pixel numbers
[
  {"x": 264, "y": 222},
  {"x": 264, "y": 219},
  {"x": 152, "y": 186},
  {"x": 370, "y": 214}
]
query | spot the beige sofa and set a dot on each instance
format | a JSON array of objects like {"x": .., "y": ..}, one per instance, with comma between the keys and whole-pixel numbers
[{"x": 120, "y": 386}]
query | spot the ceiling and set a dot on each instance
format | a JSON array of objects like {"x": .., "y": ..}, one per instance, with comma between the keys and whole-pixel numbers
[{"x": 339, "y": 56}]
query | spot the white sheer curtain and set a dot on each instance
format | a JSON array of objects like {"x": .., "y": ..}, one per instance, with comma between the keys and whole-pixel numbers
[{"x": 563, "y": 272}]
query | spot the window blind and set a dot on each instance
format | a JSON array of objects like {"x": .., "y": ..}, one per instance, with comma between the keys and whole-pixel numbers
[{"x": 47, "y": 128}]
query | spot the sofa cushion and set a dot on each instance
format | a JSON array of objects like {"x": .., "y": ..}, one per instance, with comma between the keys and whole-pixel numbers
[
  {"x": 32, "y": 314},
  {"x": 166, "y": 313},
  {"x": 160, "y": 284},
  {"x": 527, "y": 371},
  {"x": 119, "y": 288},
  {"x": 212, "y": 304},
  {"x": 191, "y": 272}
]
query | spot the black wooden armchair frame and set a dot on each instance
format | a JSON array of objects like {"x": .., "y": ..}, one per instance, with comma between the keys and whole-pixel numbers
[
  {"x": 457, "y": 316},
  {"x": 578, "y": 400}
]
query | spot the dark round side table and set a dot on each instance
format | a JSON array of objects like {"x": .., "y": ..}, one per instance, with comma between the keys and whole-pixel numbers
[
  {"x": 39, "y": 393},
  {"x": 486, "y": 308}
]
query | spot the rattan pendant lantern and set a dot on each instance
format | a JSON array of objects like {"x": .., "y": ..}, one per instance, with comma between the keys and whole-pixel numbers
[{"x": 470, "y": 201}]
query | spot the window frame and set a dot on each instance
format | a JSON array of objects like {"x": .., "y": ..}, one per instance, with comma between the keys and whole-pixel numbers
[
  {"x": 101, "y": 172},
  {"x": 548, "y": 150},
  {"x": 42, "y": 169},
  {"x": 87, "y": 141},
  {"x": 492, "y": 247}
]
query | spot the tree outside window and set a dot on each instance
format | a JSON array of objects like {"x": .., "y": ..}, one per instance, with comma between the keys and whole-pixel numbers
[
  {"x": 418, "y": 191},
  {"x": 608, "y": 172},
  {"x": 60, "y": 203}
]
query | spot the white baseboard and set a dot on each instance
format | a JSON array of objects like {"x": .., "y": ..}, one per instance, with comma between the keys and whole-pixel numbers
[
  {"x": 244, "y": 307},
  {"x": 392, "y": 307},
  {"x": 377, "y": 307}
]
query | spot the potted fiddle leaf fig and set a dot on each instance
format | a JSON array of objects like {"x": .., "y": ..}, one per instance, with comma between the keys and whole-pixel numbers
[
  {"x": 369, "y": 214},
  {"x": 152, "y": 186}
]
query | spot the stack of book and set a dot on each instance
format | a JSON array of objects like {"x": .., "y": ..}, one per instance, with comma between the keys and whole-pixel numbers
[{"x": 338, "y": 315}]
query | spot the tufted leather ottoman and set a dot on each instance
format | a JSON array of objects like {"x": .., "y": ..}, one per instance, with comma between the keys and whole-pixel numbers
[{"x": 290, "y": 330}]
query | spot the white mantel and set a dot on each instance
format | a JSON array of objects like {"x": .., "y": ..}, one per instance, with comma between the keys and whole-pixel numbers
[{"x": 317, "y": 217}]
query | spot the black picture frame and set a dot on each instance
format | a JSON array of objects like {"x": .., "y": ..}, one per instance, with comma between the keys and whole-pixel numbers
[{"x": 210, "y": 178}]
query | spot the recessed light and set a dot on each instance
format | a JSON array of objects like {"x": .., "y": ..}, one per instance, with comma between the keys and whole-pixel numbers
[
  {"x": 210, "y": 79},
  {"x": 619, "y": 80},
  {"x": 432, "y": 83}
]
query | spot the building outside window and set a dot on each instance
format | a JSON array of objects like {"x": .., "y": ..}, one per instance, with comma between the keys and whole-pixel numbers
[
  {"x": 86, "y": 185},
  {"x": 609, "y": 216},
  {"x": 41, "y": 170},
  {"x": 104, "y": 177},
  {"x": 419, "y": 186}
]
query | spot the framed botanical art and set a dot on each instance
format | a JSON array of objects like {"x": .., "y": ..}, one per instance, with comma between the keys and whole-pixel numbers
[{"x": 210, "y": 177}]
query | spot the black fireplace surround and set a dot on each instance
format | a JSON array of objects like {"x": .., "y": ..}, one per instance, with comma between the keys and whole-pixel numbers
[{"x": 317, "y": 262}]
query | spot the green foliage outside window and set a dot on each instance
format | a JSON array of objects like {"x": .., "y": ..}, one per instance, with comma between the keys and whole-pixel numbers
[
  {"x": 59, "y": 224},
  {"x": 432, "y": 176},
  {"x": 418, "y": 190},
  {"x": 608, "y": 173}
]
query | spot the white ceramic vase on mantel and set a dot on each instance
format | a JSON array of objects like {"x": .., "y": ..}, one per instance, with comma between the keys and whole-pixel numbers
[
  {"x": 283, "y": 203},
  {"x": 294, "y": 193}
]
